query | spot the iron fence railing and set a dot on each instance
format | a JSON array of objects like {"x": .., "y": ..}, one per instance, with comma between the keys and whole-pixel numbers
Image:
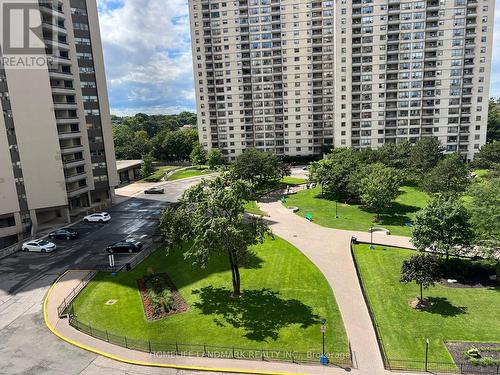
[
  {"x": 163, "y": 349},
  {"x": 63, "y": 307}
]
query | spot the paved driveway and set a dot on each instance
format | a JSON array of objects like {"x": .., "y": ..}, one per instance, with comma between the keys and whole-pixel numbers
[{"x": 26, "y": 345}]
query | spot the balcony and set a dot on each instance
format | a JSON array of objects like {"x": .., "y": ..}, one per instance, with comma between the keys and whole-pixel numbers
[
  {"x": 78, "y": 191},
  {"x": 62, "y": 106},
  {"x": 75, "y": 177},
  {"x": 71, "y": 149}
]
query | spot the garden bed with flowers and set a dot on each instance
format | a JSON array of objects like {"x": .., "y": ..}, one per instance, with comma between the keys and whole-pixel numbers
[{"x": 160, "y": 297}]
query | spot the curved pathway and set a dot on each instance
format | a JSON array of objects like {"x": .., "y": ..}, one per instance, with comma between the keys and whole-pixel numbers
[{"x": 329, "y": 250}]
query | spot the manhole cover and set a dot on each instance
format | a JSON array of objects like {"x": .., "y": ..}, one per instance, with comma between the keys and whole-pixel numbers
[{"x": 111, "y": 302}]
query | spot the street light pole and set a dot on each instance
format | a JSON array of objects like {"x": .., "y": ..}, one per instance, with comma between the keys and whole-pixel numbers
[
  {"x": 324, "y": 359},
  {"x": 426, "y": 353}
]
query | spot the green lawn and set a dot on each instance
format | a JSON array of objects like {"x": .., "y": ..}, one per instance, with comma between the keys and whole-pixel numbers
[
  {"x": 355, "y": 217},
  {"x": 189, "y": 172},
  {"x": 458, "y": 314},
  {"x": 252, "y": 208},
  {"x": 289, "y": 180},
  {"x": 285, "y": 297},
  {"x": 158, "y": 174}
]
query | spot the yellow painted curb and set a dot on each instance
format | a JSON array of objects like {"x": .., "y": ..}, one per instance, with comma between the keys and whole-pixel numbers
[{"x": 152, "y": 364}]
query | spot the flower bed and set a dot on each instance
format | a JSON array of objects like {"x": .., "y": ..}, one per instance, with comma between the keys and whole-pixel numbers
[{"x": 160, "y": 297}]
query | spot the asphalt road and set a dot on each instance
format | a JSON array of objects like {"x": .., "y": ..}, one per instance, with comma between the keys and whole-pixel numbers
[{"x": 26, "y": 345}]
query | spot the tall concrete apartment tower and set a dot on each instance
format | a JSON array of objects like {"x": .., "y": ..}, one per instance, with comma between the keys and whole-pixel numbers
[
  {"x": 294, "y": 77},
  {"x": 56, "y": 147}
]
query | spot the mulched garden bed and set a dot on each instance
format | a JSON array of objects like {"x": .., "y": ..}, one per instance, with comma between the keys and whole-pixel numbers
[
  {"x": 482, "y": 284},
  {"x": 152, "y": 309},
  {"x": 457, "y": 350}
]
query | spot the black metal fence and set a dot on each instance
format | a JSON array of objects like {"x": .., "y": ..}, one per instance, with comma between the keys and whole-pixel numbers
[
  {"x": 165, "y": 349},
  {"x": 413, "y": 365},
  {"x": 61, "y": 309},
  {"x": 440, "y": 367}
]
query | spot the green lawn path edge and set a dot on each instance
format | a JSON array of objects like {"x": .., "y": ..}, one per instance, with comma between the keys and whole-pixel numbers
[
  {"x": 286, "y": 295},
  {"x": 189, "y": 172},
  {"x": 459, "y": 314},
  {"x": 355, "y": 217}
]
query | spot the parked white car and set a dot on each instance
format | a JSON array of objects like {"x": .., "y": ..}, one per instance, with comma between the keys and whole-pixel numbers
[
  {"x": 98, "y": 217},
  {"x": 40, "y": 246}
]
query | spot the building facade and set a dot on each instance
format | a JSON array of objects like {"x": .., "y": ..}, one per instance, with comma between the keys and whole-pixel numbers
[
  {"x": 56, "y": 147},
  {"x": 295, "y": 77}
]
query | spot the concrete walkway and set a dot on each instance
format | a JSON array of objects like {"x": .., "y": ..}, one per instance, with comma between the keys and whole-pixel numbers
[{"x": 329, "y": 250}]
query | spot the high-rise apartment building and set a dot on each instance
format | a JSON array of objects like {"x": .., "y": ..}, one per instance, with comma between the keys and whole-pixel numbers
[
  {"x": 56, "y": 147},
  {"x": 292, "y": 76}
]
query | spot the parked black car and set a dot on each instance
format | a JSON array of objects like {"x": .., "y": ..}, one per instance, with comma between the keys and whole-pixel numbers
[
  {"x": 154, "y": 190},
  {"x": 125, "y": 246},
  {"x": 64, "y": 233}
]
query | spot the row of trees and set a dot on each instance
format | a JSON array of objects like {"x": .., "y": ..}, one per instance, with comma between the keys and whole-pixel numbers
[{"x": 162, "y": 136}]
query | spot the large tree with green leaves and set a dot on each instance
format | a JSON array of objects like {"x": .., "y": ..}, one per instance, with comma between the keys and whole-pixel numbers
[
  {"x": 215, "y": 158},
  {"x": 210, "y": 217},
  {"x": 198, "y": 155},
  {"x": 442, "y": 226},
  {"x": 425, "y": 154},
  {"x": 488, "y": 156},
  {"x": 450, "y": 175},
  {"x": 257, "y": 167},
  {"x": 484, "y": 209},
  {"x": 147, "y": 166},
  {"x": 395, "y": 155},
  {"x": 333, "y": 172},
  {"x": 379, "y": 187},
  {"x": 423, "y": 269}
]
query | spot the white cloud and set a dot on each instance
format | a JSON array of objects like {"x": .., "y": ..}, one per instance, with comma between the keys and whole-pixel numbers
[{"x": 147, "y": 52}]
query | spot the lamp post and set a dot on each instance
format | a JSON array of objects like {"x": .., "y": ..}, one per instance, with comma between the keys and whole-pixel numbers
[
  {"x": 426, "y": 353},
  {"x": 371, "y": 238},
  {"x": 323, "y": 359}
]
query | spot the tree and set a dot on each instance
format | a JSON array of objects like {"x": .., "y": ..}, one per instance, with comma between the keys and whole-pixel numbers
[
  {"x": 210, "y": 217},
  {"x": 285, "y": 170},
  {"x": 333, "y": 172},
  {"x": 395, "y": 155},
  {"x": 198, "y": 155},
  {"x": 379, "y": 187},
  {"x": 257, "y": 167},
  {"x": 423, "y": 269},
  {"x": 425, "y": 155},
  {"x": 442, "y": 226},
  {"x": 488, "y": 156},
  {"x": 147, "y": 167},
  {"x": 484, "y": 210},
  {"x": 493, "y": 130},
  {"x": 215, "y": 158},
  {"x": 450, "y": 175}
]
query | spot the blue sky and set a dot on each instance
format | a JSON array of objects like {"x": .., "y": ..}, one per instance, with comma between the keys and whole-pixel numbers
[{"x": 147, "y": 52}]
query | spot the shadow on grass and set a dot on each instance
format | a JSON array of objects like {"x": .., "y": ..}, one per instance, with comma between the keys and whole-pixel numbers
[
  {"x": 261, "y": 313},
  {"x": 441, "y": 306}
]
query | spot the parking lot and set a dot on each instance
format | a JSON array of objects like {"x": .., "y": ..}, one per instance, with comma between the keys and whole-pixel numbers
[{"x": 27, "y": 346}]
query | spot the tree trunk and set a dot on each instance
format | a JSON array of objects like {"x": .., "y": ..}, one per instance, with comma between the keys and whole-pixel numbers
[
  {"x": 421, "y": 293},
  {"x": 235, "y": 275}
]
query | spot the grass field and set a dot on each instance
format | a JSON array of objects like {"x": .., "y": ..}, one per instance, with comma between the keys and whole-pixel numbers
[
  {"x": 457, "y": 314},
  {"x": 189, "y": 172},
  {"x": 285, "y": 297},
  {"x": 289, "y": 180},
  {"x": 158, "y": 174},
  {"x": 252, "y": 208},
  {"x": 355, "y": 217}
]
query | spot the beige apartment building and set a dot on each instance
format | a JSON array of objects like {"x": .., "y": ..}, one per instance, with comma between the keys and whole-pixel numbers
[
  {"x": 295, "y": 77},
  {"x": 56, "y": 149}
]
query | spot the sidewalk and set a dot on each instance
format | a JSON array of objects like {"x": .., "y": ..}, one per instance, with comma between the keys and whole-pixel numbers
[{"x": 329, "y": 250}]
